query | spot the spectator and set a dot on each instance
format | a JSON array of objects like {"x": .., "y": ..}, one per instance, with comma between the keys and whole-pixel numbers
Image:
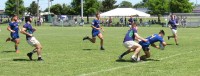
[
  {"x": 140, "y": 21},
  {"x": 130, "y": 21},
  {"x": 121, "y": 20},
  {"x": 110, "y": 21}
]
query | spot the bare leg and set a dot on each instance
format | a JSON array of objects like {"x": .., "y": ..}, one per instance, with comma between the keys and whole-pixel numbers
[
  {"x": 137, "y": 49},
  {"x": 93, "y": 40},
  {"x": 101, "y": 38},
  {"x": 176, "y": 39},
  {"x": 16, "y": 41},
  {"x": 147, "y": 55},
  {"x": 39, "y": 49}
]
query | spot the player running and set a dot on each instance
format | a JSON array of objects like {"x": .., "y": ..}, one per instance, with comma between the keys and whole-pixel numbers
[
  {"x": 96, "y": 31},
  {"x": 173, "y": 27},
  {"x": 28, "y": 31},
  {"x": 131, "y": 45},
  {"x": 14, "y": 32},
  {"x": 151, "y": 41}
]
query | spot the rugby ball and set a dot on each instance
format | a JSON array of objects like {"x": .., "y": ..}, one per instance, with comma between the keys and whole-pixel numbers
[{"x": 161, "y": 46}]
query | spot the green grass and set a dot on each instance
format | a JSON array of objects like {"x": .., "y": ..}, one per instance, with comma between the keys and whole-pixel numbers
[{"x": 65, "y": 54}]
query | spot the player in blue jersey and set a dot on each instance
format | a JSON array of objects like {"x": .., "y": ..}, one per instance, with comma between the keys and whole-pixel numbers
[
  {"x": 28, "y": 30},
  {"x": 14, "y": 32},
  {"x": 130, "y": 44},
  {"x": 151, "y": 40},
  {"x": 173, "y": 26},
  {"x": 96, "y": 31}
]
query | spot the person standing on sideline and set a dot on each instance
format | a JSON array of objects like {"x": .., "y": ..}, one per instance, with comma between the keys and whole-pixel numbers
[{"x": 96, "y": 32}]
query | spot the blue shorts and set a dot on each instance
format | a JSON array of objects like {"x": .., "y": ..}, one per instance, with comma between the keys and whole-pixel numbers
[
  {"x": 145, "y": 45},
  {"x": 14, "y": 36},
  {"x": 94, "y": 34}
]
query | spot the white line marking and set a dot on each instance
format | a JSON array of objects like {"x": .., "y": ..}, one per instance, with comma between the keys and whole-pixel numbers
[{"x": 111, "y": 69}]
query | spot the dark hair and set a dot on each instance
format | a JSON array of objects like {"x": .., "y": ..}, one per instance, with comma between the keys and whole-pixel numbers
[
  {"x": 132, "y": 24},
  {"x": 14, "y": 15},
  {"x": 162, "y": 32},
  {"x": 27, "y": 19},
  {"x": 97, "y": 14}
]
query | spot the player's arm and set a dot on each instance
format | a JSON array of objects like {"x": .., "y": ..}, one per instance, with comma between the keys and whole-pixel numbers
[
  {"x": 95, "y": 27},
  {"x": 23, "y": 31},
  {"x": 101, "y": 28},
  {"x": 155, "y": 46},
  {"x": 9, "y": 29},
  {"x": 139, "y": 37},
  {"x": 93, "y": 22},
  {"x": 34, "y": 29},
  {"x": 169, "y": 25},
  {"x": 164, "y": 43}
]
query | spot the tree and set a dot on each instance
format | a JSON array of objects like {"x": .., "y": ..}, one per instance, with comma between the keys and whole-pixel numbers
[
  {"x": 125, "y": 4},
  {"x": 90, "y": 7},
  {"x": 180, "y": 6},
  {"x": 63, "y": 10},
  {"x": 142, "y": 4},
  {"x": 14, "y": 7},
  {"x": 108, "y": 5},
  {"x": 157, "y": 7},
  {"x": 76, "y": 5},
  {"x": 32, "y": 9},
  {"x": 69, "y": 10},
  {"x": 56, "y": 9}
]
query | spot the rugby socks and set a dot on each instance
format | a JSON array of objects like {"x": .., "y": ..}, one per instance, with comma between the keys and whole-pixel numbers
[
  {"x": 125, "y": 53},
  {"x": 40, "y": 58},
  {"x": 33, "y": 51},
  {"x": 16, "y": 48},
  {"x": 170, "y": 37},
  {"x": 102, "y": 48}
]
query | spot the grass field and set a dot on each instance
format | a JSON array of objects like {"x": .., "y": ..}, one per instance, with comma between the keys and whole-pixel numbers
[{"x": 65, "y": 54}]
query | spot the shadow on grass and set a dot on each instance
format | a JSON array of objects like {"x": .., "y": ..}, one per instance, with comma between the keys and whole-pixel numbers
[
  {"x": 89, "y": 49},
  {"x": 122, "y": 60},
  {"x": 169, "y": 44},
  {"x": 23, "y": 60},
  {"x": 7, "y": 51}
]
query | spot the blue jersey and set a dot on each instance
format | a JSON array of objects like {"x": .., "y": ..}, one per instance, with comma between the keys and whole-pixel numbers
[
  {"x": 155, "y": 38},
  {"x": 29, "y": 29},
  {"x": 14, "y": 26},
  {"x": 130, "y": 35},
  {"x": 173, "y": 22},
  {"x": 150, "y": 40},
  {"x": 95, "y": 23},
  {"x": 130, "y": 21}
]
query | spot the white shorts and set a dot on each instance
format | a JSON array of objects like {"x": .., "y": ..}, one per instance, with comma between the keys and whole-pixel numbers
[
  {"x": 174, "y": 31},
  {"x": 129, "y": 44},
  {"x": 129, "y": 26},
  {"x": 32, "y": 41}
]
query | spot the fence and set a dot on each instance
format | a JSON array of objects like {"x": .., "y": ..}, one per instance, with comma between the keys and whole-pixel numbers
[
  {"x": 188, "y": 19},
  {"x": 66, "y": 20}
]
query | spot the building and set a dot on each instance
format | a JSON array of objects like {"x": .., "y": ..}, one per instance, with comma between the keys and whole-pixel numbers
[{"x": 196, "y": 9}]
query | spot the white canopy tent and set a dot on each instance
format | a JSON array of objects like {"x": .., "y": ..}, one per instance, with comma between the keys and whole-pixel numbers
[{"x": 124, "y": 12}]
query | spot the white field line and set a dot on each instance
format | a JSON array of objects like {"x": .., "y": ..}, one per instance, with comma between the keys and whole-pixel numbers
[{"x": 120, "y": 67}]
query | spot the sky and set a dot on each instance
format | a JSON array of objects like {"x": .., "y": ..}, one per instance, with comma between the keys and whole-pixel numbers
[{"x": 44, "y": 3}]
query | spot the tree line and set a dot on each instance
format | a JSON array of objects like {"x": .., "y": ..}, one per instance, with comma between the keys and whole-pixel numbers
[{"x": 155, "y": 7}]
